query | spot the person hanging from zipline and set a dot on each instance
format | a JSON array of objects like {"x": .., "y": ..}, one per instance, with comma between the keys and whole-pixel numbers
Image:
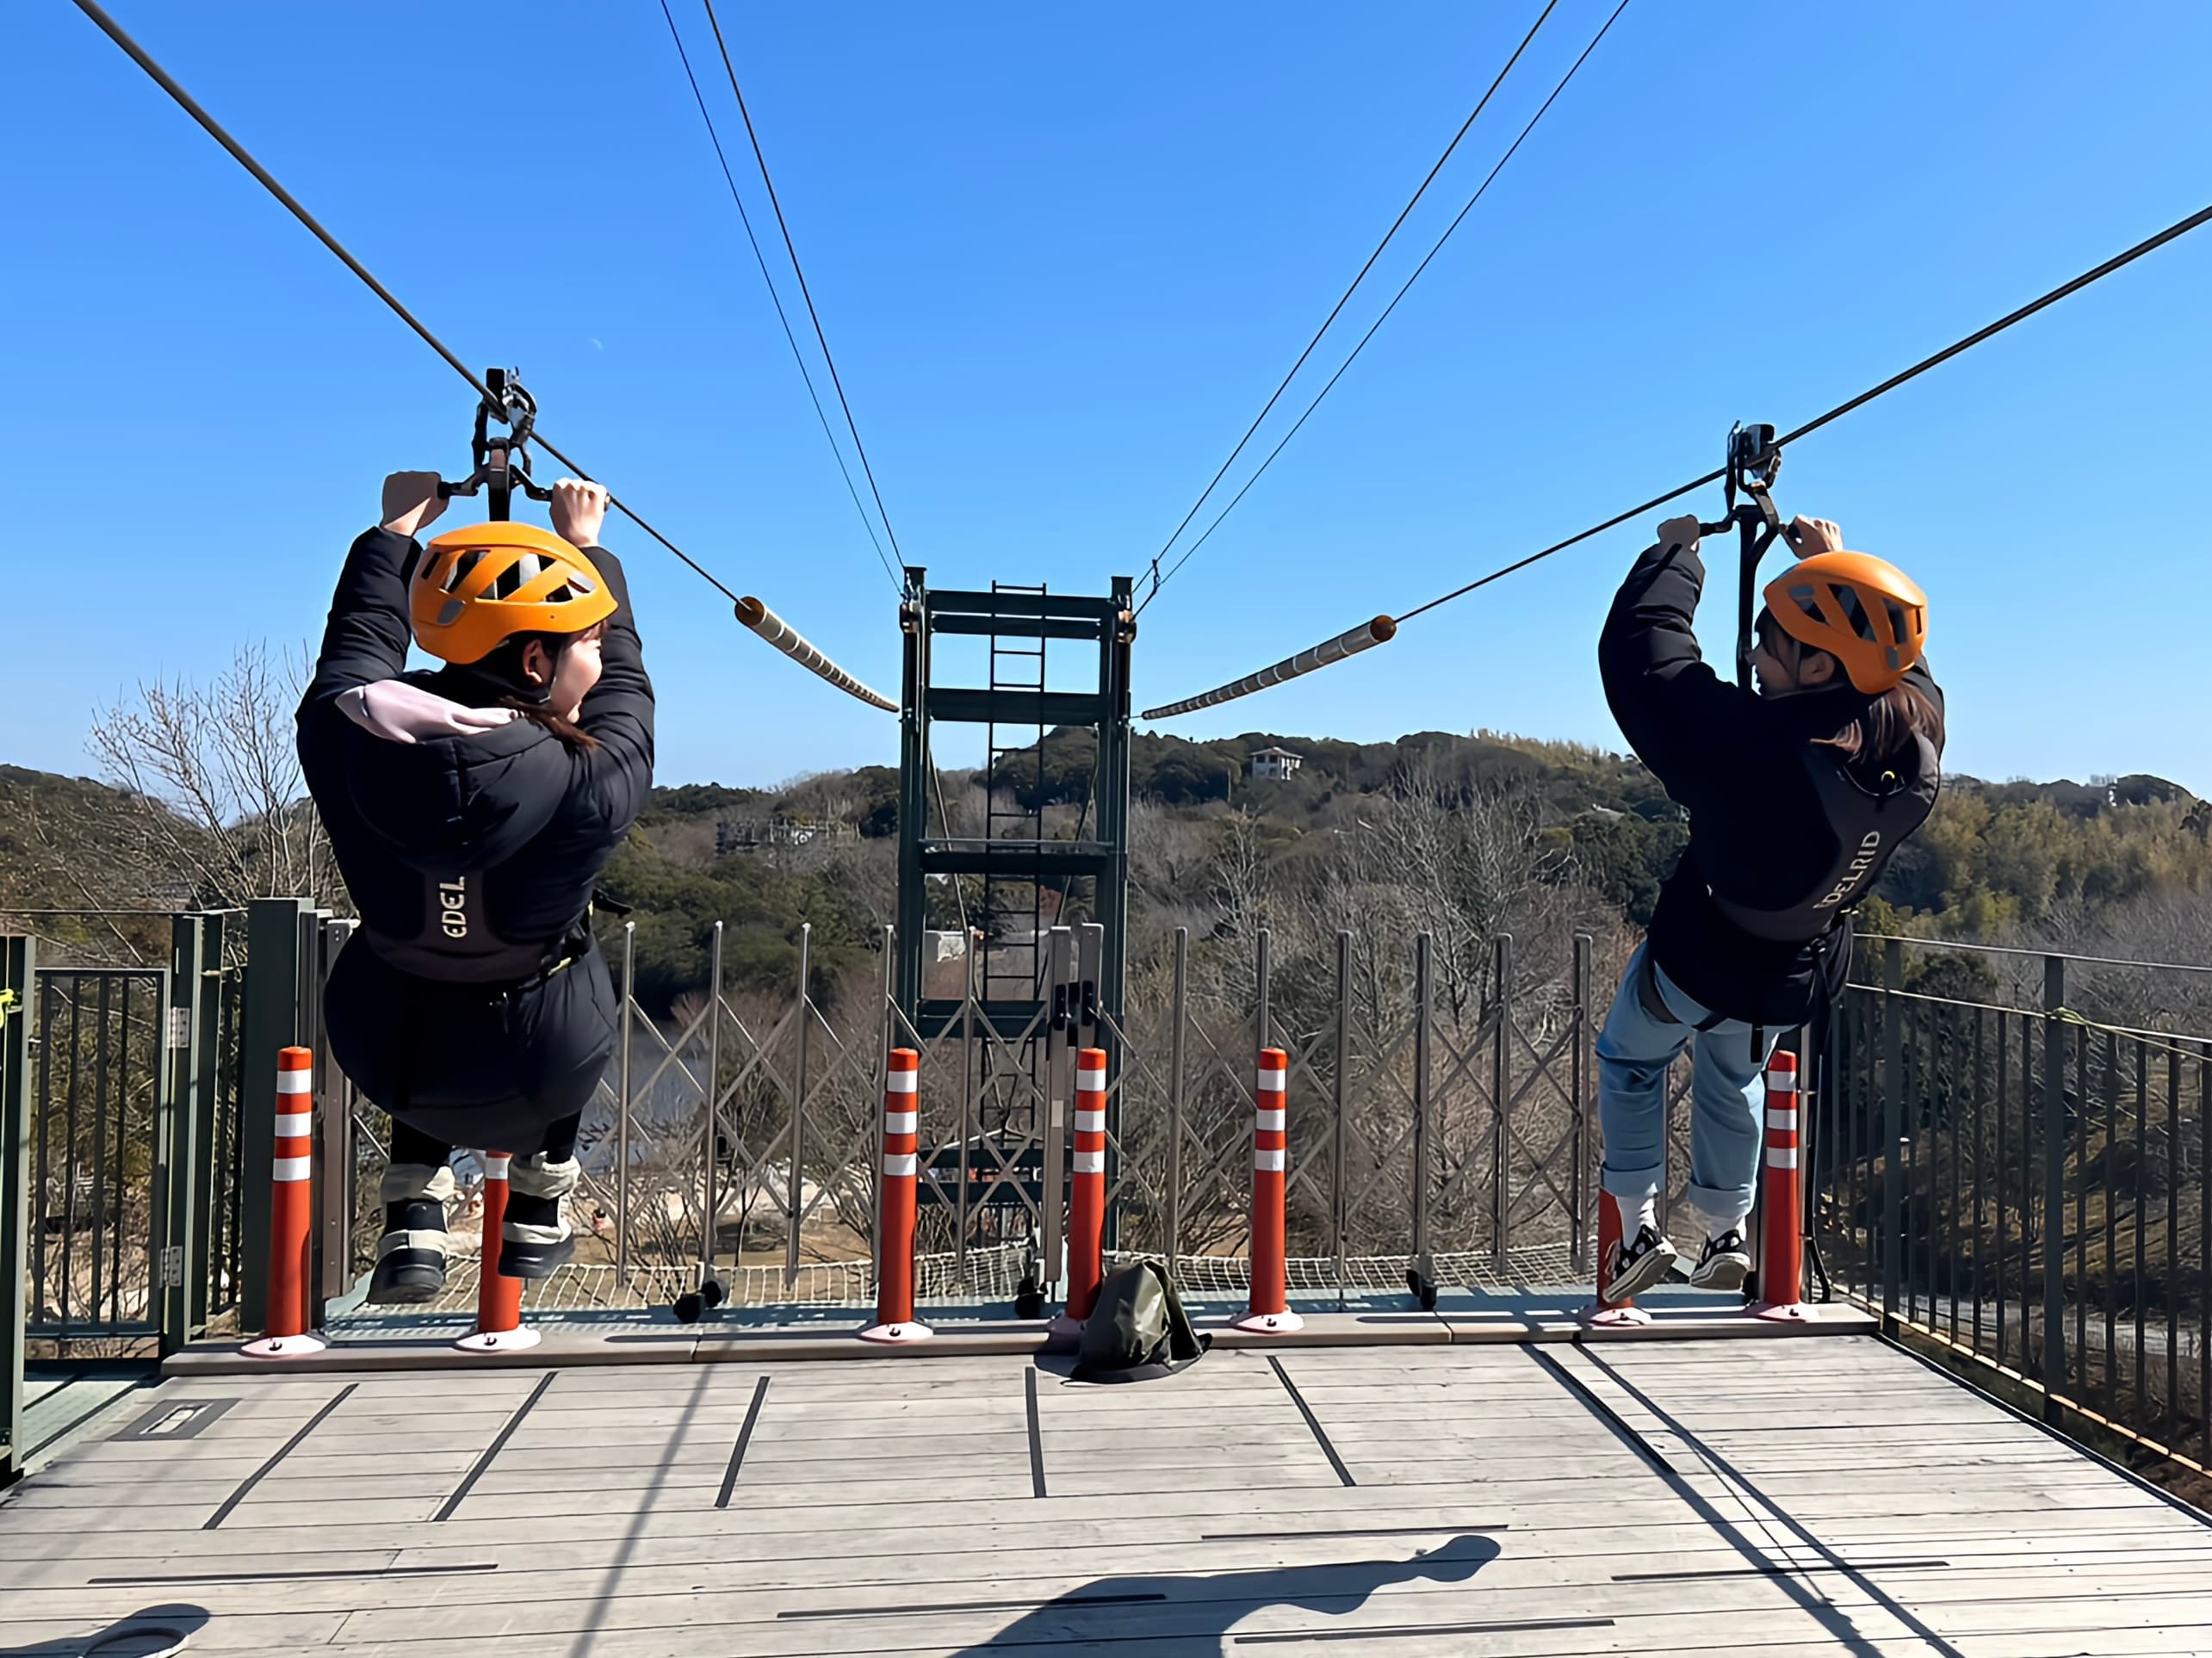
[
  {"x": 1798, "y": 797},
  {"x": 471, "y": 808}
]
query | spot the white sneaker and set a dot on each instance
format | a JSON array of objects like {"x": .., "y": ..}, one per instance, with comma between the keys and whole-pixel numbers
[
  {"x": 1638, "y": 1265},
  {"x": 1725, "y": 1264}
]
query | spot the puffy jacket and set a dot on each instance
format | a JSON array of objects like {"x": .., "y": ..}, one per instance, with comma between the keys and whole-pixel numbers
[
  {"x": 469, "y": 838},
  {"x": 1763, "y": 803}
]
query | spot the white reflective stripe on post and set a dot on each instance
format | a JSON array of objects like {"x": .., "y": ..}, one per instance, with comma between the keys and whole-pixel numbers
[
  {"x": 1271, "y": 1082},
  {"x": 903, "y": 1082},
  {"x": 1090, "y": 1162},
  {"x": 1782, "y": 1082},
  {"x": 1782, "y": 1117},
  {"x": 899, "y": 1163},
  {"x": 1269, "y": 1122},
  {"x": 294, "y": 1123},
  {"x": 1267, "y": 1162},
  {"x": 293, "y": 1168},
  {"x": 295, "y": 1082},
  {"x": 1781, "y": 1157},
  {"x": 495, "y": 1168},
  {"x": 1090, "y": 1123},
  {"x": 901, "y": 1121}
]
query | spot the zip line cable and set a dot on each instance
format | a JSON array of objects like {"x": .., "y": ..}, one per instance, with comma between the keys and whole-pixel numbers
[
  {"x": 191, "y": 107},
  {"x": 1342, "y": 300},
  {"x": 2179, "y": 228},
  {"x": 776, "y": 300},
  {"x": 1160, "y": 581},
  {"x": 1291, "y": 667},
  {"x": 214, "y": 128},
  {"x": 805, "y": 292}
]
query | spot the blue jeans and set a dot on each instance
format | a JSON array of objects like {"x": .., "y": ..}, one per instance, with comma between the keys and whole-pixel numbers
[{"x": 1728, "y": 1093}]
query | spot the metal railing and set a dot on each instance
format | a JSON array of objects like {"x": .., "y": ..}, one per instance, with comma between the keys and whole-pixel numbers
[
  {"x": 1442, "y": 1118},
  {"x": 121, "y": 1160},
  {"x": 2015, "y": 1165}
]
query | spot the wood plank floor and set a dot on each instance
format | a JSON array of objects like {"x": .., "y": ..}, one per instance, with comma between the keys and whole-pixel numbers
[{"x": 1774, "y": 1499}]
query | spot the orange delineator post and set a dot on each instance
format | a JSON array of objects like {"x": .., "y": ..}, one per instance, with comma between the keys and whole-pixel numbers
[
  {"x": 291, "y": 1211},
  {"x": 1781, "y": 1240},
  {"x": 1269, "y": 1310},
  {"x": 498, "y": 1297},
  {"x": 895, "y": 1319},
  {"x": 1086, "y": 1193}
]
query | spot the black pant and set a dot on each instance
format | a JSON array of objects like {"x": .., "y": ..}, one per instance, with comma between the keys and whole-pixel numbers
[
  {"x": 464, "y": 1065},
  {"x": 411, "y": 1145}
]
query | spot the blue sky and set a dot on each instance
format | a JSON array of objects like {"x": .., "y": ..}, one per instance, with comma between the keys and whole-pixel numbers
[{"x": 1062, "y": 253}]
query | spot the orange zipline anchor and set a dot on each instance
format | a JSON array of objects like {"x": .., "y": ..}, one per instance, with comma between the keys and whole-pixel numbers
[
  {"x": 498, "y": 1297},
  {"x": 1781, "y": 1235},
  {"x": 291, "y": 1213},
  {"x": 1086, "y": 1195},
  {"x": 895, "y": 1319},
  {"x": 1269, "y": 1312}
]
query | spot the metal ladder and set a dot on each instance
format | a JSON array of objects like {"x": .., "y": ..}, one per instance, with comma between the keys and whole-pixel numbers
[{"x": 1013, "y": 905}]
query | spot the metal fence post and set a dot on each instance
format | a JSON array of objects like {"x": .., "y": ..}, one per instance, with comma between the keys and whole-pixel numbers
[
  {"x": 622, "y": 1107},
  {"x": 2054, "y": 1176},
  {"x": 1501, "y": 1103},
  {"x": 796, "y": 1186},
  {"x": 1263, "y": 964},
  {"x": 178, "y": 1262},
  {"x": 1892, "y": 1122},
  {"x": 270, "y": 1024},
  {"x": 18, "y": 964},
  {"x": 1579, "y": 1072},
  {"x": 1176, "y": 1014},
  {"x": 1424, "y": 1012},
  {"x": 1338, "y": 1218},
  {"x": 213, "y": 987},
  {"x": 710, "y": 1138}
]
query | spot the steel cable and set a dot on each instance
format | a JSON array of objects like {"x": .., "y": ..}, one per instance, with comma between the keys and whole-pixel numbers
[
  {"x": 776, "y": 300},
  {"x": 805, "y": 292},
  {"x": 1342, "y": 300}
]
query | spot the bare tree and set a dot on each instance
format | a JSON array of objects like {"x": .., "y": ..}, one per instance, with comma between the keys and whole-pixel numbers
[{"x": 213, "y": 772}]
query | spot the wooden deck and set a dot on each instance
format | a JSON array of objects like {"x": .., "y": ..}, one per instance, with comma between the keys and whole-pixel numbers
[{"x": 1774, "y": 1498}]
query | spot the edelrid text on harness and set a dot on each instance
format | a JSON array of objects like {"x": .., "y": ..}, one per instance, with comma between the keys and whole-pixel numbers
[
  {"x": 456, "y": 944},
  {"x": 1870, "y": 825}
]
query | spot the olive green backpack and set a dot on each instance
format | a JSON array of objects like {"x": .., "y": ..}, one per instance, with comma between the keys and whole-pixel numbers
[{"x": 1137, "y": 1330}]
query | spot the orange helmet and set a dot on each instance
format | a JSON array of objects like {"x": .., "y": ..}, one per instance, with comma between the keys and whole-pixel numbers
[
  {"x": 477, "y": 586},
  {"x": 1862, "y": 610}
]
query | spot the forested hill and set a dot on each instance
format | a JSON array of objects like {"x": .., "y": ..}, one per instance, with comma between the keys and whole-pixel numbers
[{"x": 1997, "y": 860}]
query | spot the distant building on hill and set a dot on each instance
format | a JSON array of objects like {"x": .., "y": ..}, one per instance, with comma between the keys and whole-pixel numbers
[{"x": 1274, "y": 765}]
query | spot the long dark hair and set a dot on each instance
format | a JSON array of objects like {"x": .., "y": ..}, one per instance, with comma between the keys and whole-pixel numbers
[
  {"x": 1884, "y": 732},
  {"x": 503, "y": 670}
]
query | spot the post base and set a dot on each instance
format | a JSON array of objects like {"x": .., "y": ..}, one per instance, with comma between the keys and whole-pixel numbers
[
  {"x": 497, "y": 1341},
  {"x": 899, "y": 1334},
  {"x": 284, "y": 1346},
  {"x": 1602, "y": 1315},
  {"x": 1280, "y": 1323},
  {"x": 1793, "y": 1313}
]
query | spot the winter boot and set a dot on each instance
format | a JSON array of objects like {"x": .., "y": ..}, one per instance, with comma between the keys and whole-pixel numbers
[
  {"x": 411, "y": 1255},
  {"x": 535, "y": 1242}
]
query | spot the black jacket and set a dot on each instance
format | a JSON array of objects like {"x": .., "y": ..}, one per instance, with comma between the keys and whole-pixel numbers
[
  {"x": 1738, "y": 762},
  {"x": 525, "y": 822}
]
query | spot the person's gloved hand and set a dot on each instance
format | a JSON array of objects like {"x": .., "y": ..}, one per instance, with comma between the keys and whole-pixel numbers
[
  {"x": 1811, "y": 536},
  {"x": 1680, "y": 532},
  {"x": 578, "y": 509},
  {"x": 410, "y": 500}
]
